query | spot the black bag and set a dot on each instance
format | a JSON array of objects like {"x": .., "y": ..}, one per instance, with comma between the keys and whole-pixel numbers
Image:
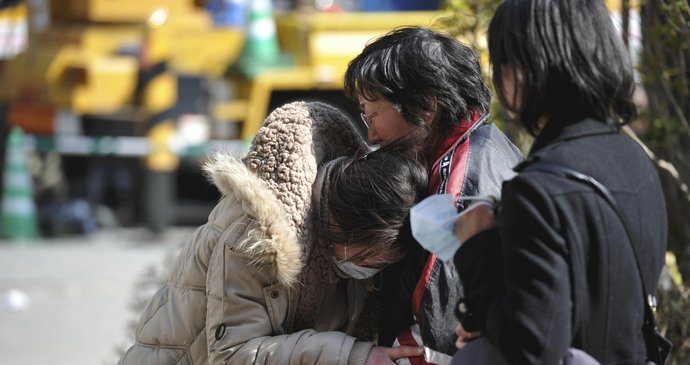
[{"x": 658, "y": 346}]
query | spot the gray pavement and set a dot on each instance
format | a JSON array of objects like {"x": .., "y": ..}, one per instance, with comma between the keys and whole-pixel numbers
[{"x": 68, "y": 301}]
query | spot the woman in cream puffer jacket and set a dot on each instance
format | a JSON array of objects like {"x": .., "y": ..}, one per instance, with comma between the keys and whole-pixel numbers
[{"x": 252, "y": 286}]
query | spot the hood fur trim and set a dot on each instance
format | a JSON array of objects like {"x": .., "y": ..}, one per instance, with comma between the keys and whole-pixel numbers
[
  {"x": 275, "y": 182},
  {"x": 276, "y": 243}
]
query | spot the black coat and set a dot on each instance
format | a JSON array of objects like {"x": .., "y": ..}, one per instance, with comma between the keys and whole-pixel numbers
[{"x": 558, "y": 271}]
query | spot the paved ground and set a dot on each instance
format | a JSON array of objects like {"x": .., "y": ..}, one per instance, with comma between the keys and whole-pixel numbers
[{"x": 68, "y": 301}]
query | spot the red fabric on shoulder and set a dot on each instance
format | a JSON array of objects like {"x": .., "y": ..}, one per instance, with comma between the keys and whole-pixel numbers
[{"x": 454, "y": 184}]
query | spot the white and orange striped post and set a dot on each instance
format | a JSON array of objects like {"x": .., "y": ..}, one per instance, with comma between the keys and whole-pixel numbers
[{"x": 18, "y": 209}]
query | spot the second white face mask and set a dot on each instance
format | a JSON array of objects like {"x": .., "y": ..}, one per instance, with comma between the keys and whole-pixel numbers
[{"x": 354, "y": 271}]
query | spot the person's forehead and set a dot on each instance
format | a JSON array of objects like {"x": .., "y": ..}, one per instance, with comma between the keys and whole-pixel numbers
[
  {"x": 355, "y": 250},
  {"x": 370, "y": 96}
]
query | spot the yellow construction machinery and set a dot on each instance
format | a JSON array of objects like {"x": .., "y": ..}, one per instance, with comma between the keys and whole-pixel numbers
[{"x": 158, "y": 83}]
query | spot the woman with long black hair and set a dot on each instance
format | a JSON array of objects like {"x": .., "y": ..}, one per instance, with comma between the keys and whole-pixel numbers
[{"x": 553, "y": 267}]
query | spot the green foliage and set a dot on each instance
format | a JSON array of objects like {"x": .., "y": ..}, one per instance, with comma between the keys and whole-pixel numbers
[
  {"x": 665, "y": 72},
  {"x": 470, "y": 20},
  {"x": 674, "y": 322},
  {"x": 665, "y": 75},
  {"x": 664, "y": 67}
]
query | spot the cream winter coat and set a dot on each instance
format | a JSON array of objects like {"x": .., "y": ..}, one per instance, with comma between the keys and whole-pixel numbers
[{"x": 253, "y": 286}]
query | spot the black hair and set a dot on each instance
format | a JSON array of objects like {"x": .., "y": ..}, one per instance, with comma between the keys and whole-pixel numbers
[
  {"x": 413, "y": 66},
  {"x": 370, "y": 197},
  {"x": 9, "y": 3},
  {"x": 572, "y": 62}
]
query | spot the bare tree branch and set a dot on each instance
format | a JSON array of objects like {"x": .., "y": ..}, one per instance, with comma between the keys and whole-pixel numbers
[{"x": 661, "y": 164}]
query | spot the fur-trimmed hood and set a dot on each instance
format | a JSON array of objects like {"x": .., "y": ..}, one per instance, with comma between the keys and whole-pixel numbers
[{"x": 274, "y": 180}]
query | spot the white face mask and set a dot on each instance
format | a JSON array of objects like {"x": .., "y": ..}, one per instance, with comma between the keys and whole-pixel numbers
[
  {"x": 353, "y": 271},
  {"x": 433, "y": 223}
]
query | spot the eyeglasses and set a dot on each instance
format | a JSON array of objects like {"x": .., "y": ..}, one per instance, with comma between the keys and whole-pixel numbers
[
  {"x": 373, "y": 260},
  {"x": 366, "y": 118}
]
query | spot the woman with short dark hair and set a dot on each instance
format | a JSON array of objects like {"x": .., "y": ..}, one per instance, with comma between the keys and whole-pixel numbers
[
  {"x": 433, "y": 81},
  {"x": 555, "y": 268},
  {"x": 425, "y": 86}
]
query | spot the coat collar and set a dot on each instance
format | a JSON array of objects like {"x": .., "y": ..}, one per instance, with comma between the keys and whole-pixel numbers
[
  {"x": 450, "y": 140},
  {"x": 554, "y": 133}
]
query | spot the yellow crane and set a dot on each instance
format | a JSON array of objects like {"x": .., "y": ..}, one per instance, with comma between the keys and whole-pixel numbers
[{"x": 159, "y": 81}]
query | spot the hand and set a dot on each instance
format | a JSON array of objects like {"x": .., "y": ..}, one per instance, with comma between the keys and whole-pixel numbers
[
  {"x": 464, "y": 337},
  {"x": 476, "y": 218},
  {"x": 388, "y": 355}
]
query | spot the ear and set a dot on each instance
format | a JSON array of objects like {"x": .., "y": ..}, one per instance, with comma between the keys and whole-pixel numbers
[{"x": 431, "y": 116}]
